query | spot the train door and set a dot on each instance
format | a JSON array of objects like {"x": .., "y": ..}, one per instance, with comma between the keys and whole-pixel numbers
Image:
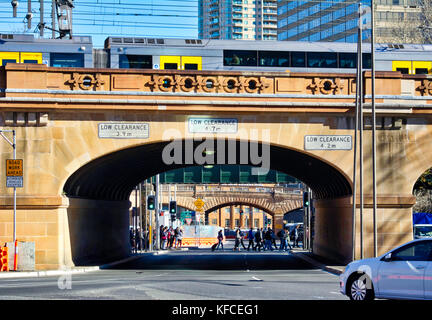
[
  {"x": 170, "y": 62},
  {"x": 31, "y": 57},
  {"x": 8, "y": 57},
  {"x": 422, "y": 67},
  {"x": 191, "y": 63},
  {"x": 405, "y": 67}
]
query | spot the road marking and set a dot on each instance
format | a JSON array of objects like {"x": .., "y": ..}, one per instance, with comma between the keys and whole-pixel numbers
[{"x": 256, "y": 279}]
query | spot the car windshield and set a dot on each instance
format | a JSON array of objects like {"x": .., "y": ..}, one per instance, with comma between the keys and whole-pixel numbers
[{"x": 423, "y": 231}]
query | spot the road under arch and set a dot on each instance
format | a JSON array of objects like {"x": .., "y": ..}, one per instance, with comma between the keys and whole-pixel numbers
[{"x": 98, "y": 195}]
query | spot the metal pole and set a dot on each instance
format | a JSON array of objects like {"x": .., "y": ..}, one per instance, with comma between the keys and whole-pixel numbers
[
  {"x": 361, "y": 139},
  {"x": 157, "y": 211},
  {"x": 144, "y": 206},
  {"x": 29, "y": 14},
  {"x": 309, "y": 240},
  {"x": 41, "y": 31},
  {"x": 140, "y": 217},
  {"x": 14, "y": 193},
  {"x": 53, "y": 18},
  {"x": 13, "y": 144},
  {"x": 373, "y": 128}
]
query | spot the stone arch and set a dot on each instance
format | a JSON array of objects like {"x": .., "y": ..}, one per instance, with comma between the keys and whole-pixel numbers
[{"x": 107, "y": 181}]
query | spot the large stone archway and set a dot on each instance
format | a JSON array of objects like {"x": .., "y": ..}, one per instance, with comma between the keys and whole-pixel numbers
[{"x": 76, "y": 179}]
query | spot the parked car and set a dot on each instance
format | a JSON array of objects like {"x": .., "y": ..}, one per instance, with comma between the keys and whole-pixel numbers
[
  {"x": 422, "y": 231},
  {"x": 402, "y": 273}
]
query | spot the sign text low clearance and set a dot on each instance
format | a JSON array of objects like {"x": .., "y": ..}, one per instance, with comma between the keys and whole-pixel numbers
[{"x": 328, "y": 142}]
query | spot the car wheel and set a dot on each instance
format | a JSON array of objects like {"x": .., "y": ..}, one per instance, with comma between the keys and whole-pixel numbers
[{"x": 358, "y": 288}]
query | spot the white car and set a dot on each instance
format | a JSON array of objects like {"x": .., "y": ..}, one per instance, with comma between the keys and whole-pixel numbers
[{"x": 402, "y": 273}]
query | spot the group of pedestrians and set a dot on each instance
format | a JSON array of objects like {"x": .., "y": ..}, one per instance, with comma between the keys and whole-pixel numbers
[
  {"x": 138, "y": 239},
  {"x": 170, "y": 237},
  {"x": 264, "y": 239}
]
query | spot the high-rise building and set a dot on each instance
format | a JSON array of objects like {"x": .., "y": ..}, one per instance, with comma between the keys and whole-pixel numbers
[
  {"x": 237, "y": 19},
  {"x": 314, "y": 20},
  {"x": 399, "y": 20}
]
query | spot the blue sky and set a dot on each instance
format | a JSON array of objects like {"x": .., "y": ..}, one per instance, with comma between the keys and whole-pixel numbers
[{"x": 103, "y": 18}]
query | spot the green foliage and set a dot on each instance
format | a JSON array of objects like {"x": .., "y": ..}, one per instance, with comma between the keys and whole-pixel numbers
[{"x": 425, "y": 181}]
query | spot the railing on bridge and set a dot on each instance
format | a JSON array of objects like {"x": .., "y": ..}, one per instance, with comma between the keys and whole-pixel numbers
[{"x": 205, "y": 188}]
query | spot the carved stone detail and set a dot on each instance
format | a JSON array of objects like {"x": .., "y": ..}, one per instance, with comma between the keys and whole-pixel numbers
[
  {"x": 325, "y": 86},
  {"x": 425, "y": 88},
  {"x": 85, "y": 81}
]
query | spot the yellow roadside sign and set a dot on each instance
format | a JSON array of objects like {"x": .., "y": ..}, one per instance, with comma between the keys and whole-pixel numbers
[
  {"x": 14, "y": 167},
  {"x": 199, "y": 204}
]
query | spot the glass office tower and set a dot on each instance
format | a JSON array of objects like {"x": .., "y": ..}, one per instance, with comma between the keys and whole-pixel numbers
[
  {"x": 334, "y": 20},
  {"x": 237, "y": 19}
]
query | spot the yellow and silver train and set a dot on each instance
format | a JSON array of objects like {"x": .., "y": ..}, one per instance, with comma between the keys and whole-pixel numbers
[{"x": 191, "y": 54}]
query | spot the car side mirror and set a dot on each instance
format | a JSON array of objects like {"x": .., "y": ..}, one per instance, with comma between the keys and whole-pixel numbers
[{"x": 388, "y": 257}]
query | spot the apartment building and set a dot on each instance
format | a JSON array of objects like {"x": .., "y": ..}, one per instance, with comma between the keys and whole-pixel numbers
[{"x": 237, "y": 19}]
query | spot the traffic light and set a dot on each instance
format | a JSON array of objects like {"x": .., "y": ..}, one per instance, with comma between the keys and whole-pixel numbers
[
  {"x": 151, "y": 203},
  {"x": 305, "y": 199},
  {"x": 173, "y": 210},
  {"x": 173, "y": 207}
]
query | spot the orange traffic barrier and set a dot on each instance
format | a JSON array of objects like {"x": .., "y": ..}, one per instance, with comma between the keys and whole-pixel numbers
[{"x": 4, "y": 259}]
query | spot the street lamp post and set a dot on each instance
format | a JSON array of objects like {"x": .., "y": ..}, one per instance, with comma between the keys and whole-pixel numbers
[
  {"x": 373, "y": 127},
  {"x": 13, "y": 144}
]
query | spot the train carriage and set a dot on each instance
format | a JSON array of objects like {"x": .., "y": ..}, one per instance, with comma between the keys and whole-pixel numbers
[{"x": 192, "y": 54}]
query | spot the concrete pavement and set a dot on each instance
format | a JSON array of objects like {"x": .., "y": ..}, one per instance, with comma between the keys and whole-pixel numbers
[{"x": 309, "y": 257}]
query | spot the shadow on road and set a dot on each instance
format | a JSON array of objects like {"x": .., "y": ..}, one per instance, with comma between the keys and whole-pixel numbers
[{"x": 220, "y": 260}]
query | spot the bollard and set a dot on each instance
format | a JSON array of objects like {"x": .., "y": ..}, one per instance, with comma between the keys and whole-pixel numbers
[{"x": 16, "y": 256}]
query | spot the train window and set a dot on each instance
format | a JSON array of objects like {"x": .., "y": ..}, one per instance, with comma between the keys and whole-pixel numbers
[
  {"x": 240, "y": 58},
  {"x": 67, "y": 60},
  {"x": 8, "y": 61},
  {"x": 367, "y": 61},
  {"x": 273, "y": 59},
  {"x": 298, "y": 59},
  {"x": 31, "y": 61},
  {"x": 127, "y": 61},
  {"x": 421, "y": 71},
  {"x": 170, "y": 66},
  {"x": 403, "y": 70},
  {"x": 321, "y": 60},
  {"x": 191, "y": 66},
  {"x": 347, "y": 60}
]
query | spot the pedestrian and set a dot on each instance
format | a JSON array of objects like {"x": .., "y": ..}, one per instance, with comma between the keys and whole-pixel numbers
[
  {"x": 131, "y": 238},
  {"x": 258, "y": 240},
  {"x": 237, "y": 240},
  {"x": 297, "y": 236},
  {"x": 164, "y": 238},
  {"x": 171, "y": 237},
  {"x": 176, "y": 231},
  {"x": 273, "y": 238},
  {"x": 220, "y": 238},
  {"x": 161, "y": 233},
  {"x": 284, "y": 240},
  {"x": 268, "y": 240},
  {"x": 251, "y": 240},
  {"x": 281, "y": 234},
  {"x": 287, "y": 240},
  {"x": 241, "y": 239},
  {"x": 179, "y": 238},
  {"x": 139, "y": 238}
]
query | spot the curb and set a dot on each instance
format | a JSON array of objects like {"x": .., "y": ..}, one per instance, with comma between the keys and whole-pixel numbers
[
  {"x": 320, "y": 265},
  {"x": 47, "y": 273}
]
